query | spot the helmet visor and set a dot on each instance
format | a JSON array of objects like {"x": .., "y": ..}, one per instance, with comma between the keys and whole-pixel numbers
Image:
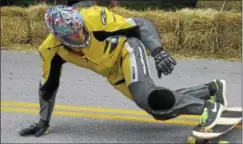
[{"x": 74, "y": 40}]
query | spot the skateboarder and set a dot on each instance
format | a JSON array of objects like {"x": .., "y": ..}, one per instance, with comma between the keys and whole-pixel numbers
[{"x": 115, "y": 47}]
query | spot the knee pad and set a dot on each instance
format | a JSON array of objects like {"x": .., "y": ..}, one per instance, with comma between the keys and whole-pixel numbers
[
  {"x": 152, "y": 99},
  {"x": 161, "y": 99}
]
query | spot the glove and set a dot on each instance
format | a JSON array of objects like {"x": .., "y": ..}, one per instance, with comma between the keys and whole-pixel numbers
[
  {"x": 163, "y": 61},
  {"x": 36, "y": 129}
]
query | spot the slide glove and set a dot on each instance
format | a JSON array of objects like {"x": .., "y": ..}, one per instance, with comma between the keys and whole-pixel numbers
[
  {"x": 36, "y": 129},
  {"x": 163, "y": 61}
]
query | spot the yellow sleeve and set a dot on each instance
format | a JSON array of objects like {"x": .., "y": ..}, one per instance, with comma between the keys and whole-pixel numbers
[
  {"x": 47, "y": 51},
  {"x": 51, "y": 67},
  {"x": 102, "y": 19},
  {"x": 51, "y": 72}
]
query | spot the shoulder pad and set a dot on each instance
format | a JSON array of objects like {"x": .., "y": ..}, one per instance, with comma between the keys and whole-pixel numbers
[{"x": 49, "y": 47}]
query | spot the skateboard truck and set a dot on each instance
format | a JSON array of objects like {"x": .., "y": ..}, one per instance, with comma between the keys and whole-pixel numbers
[{"x": 194, "y": 140}]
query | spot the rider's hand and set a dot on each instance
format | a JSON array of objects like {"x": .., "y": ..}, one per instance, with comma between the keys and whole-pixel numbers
[
  {"x": 36, "y": 129},
  {"x": 163, "y": 61}
]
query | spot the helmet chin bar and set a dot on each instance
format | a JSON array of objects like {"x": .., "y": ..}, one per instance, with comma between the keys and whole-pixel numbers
[{"x": 81, "y": 45}]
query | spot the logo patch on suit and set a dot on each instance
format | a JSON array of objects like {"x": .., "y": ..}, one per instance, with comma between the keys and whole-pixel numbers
[{"x": 103, "y": 17}]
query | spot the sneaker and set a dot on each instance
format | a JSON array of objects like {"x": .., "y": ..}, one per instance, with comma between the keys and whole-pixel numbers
[
  {"x": 218, "y": 89},
  {"x": 211, "y": 113}
]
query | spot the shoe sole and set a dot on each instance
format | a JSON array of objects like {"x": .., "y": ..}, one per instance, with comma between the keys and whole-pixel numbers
[{"x": 224, "y": 92}]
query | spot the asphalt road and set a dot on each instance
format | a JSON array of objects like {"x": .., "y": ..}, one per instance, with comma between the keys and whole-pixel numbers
[{"x": 117, "y": 119}]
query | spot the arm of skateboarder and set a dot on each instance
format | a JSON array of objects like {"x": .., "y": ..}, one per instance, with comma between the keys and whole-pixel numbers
[{"x": 51, "y": 72}]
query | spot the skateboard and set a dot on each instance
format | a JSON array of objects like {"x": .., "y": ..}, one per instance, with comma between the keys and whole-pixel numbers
[{"x": 230, "y": 118}]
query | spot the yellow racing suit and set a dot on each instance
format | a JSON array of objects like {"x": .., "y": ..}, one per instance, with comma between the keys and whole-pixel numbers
[{"x": 116, "y": 50}]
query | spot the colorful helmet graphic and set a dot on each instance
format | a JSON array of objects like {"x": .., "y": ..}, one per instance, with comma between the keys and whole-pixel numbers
[{"x": 65, "y": 23}]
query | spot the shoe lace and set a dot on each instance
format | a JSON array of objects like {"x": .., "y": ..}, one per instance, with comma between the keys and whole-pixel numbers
[{"x": 212, "y": 99}]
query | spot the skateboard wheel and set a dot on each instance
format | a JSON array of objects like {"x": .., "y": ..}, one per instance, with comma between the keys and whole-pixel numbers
[
  {"x": 223, "y": 142},
  {"x": 191, "y": 140}
]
